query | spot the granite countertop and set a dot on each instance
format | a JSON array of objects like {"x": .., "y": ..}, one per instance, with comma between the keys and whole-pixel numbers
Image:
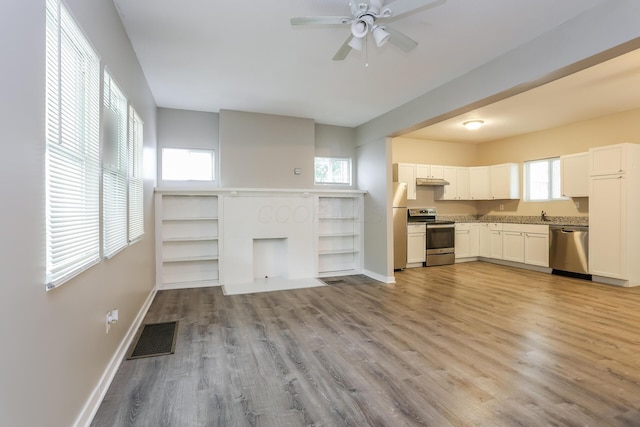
[{"x": 519, "y": 219}]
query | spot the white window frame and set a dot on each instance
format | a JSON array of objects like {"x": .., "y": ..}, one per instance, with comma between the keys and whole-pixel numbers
[
  {"x": 188, "y": 152},
  {"x": 115, "y": 174},
  {"x": 551, "y": 182},
  {"x": 331, "y": 180},
  {"x": 72, "y": 175},
  {"x": 136, "y": 178}
]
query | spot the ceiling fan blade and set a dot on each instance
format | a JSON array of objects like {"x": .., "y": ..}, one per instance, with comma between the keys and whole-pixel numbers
[
  {"x": 321, "y": 20},
  {"x": 344, "y": 50},
  {"x": 400, "y": 7},
  {"x": 400, "y": 39}
]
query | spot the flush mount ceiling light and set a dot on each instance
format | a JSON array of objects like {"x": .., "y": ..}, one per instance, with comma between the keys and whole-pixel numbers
[{"x": 473, "y": 124}]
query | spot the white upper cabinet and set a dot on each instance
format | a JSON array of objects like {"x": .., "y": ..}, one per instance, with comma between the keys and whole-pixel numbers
[
  {"x": 429, "y": 171},
  {"x": 575, "y": 175},
  {"x": 479, "y": 183},
  {"x": 406, "y": 172},
  {"x": 458, "y": 188},
  {"x": 608, "y": 160},
  {"x": 505, "y": 181}
]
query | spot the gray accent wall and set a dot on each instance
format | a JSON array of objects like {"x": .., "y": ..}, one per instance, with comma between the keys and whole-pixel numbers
[{"x": 263, "y": 150}]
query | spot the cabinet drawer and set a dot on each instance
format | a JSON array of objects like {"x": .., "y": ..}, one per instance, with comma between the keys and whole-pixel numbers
[{"x": 416, "y": 228}]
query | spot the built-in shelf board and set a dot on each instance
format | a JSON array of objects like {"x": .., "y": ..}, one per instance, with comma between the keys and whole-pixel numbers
[
  {"x": 188, "y": 240},
  {"x": 339, "y": 234}
]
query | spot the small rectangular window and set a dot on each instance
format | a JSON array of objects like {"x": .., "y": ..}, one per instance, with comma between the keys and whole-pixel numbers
[
  {"x": 184, "y": 164},
  {"x": 542, "y": 180},
  {"x": 332, "y": 170}
]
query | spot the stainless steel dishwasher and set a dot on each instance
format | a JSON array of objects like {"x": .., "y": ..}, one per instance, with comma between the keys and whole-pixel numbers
[{"x": 569, "y": 249}]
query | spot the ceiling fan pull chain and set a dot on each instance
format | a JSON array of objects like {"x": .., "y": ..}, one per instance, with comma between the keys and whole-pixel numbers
[{"x": 366, "y": 50}]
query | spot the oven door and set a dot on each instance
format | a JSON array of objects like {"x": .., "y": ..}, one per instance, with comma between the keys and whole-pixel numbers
[{"x": 440, "y": 238}]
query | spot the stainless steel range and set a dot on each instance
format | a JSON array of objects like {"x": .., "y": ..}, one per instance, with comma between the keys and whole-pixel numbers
[{"x": 441, "y": 235}]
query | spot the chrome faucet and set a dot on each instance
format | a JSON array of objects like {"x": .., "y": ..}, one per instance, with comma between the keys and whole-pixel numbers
[{"x": 543, "y": 216}]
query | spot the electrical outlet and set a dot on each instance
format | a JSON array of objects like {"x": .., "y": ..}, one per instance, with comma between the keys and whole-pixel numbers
[
  {"x": 577, "y": 204},
  {"x": 110, "y": 318},
  {"x": 501, "y": 207},
  {"x": 108, "y": 321}
]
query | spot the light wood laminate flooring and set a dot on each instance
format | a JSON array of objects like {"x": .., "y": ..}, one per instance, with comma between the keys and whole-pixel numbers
[{"x": 472, "y": 344}]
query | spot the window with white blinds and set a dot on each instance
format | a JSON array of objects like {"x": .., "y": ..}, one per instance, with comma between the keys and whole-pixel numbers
[
  {"x": 136, "y": 208},
  {"x": 114, "y": 168},
  {"x": 72, "y": 148}
]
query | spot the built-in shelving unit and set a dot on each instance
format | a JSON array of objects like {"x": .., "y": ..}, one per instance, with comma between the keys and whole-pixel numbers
[
  {"x": 188, "y": 240},
  {"x": 339, "y": 234}
]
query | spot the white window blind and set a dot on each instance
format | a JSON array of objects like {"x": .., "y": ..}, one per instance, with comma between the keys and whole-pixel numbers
[
  {"x": 114, "y": 168},
  {"x": 136, "y": 208},
  {"x": 72, "y": 148}
]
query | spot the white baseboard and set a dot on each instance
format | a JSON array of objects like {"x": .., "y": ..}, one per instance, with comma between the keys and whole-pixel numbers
[
  {"x": 93, "y": 402},
  {"x": 379, "y": 277}
]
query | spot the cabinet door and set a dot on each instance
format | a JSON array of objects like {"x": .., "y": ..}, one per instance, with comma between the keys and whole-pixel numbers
[
  {"x": 495, "y": 244},
  {"x": 437, "y": 171},
  {"x": 423, "y": 171},
  {"x": 479, "y": 183},
  {"x": 463, "y": 241},
  {"x": 462, "y": 183},
  {"x": 484, "y": 241},
  {"x": 610, "y": 159},
  {"x": 450, "y": 191},
  {"x": 607, "y": 226},
  {"x": 474, "y": 236},
  {"x": 575, "y": 175},
  {"x": 536, "y": 249},
  {"x": 406, "y": 172},
  {"x": 416, "y": 247},
  {"x": 513, "y": 246},
  {"x": 505, "y": 181}
]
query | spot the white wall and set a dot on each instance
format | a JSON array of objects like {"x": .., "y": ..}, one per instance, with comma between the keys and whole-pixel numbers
[
  {"x": 54, "y": 344},
  {"x": 262, "y": 150},
  {"x": 374, "y": 176},
  {"x": 188, "y": 129}
]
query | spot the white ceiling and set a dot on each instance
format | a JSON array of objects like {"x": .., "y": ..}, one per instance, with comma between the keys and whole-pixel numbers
[
  {"x": 209, "y": 55},
  {"x": 606, "y": 88}
]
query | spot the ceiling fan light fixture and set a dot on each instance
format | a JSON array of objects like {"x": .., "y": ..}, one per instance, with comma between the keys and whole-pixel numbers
[
  {"x": 473, "y": 124},
  {"x": 356, "y": 43},
  {"x": 359, "y": 28},
  {"x": 380, "y": 35}
]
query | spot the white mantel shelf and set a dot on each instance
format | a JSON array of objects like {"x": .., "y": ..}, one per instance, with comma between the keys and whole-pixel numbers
[{"x": 257, "y": 191}]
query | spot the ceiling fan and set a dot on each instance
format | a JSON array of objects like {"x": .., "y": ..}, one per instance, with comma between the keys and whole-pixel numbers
[{"x": 364, "y": 20}]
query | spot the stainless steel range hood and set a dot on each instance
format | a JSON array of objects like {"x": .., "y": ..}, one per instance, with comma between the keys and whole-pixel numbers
[{"x": 431, "y": 181}]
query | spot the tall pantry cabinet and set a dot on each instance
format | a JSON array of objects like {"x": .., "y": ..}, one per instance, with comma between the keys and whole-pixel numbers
[{"x": 614, "y": 223}]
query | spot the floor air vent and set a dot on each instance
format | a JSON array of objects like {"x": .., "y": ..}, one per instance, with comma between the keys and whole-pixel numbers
[
  {"x": 332, "y": 281},
  {"x": 155, "y": 339}
]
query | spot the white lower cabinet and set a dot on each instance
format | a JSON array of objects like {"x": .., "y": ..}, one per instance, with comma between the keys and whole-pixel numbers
[
  {"x": 536, "y": 248},
  {"x": 526, "y": 243},
  {"x": 467, "y": 243},
  {"x": 416, "y": 244},
  {"x": 495, "y": 240},
  {"x": 484, "y": 240},
  {"x": 521, "y": 243},
  {"x": 512, "y": 243}
]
